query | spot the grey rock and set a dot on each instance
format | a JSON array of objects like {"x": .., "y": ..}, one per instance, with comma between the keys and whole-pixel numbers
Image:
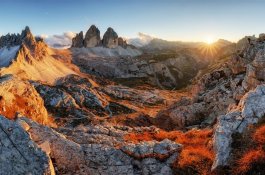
[
  {"x": 19, "y": 154},
  {"x": 92, "y": 37},
  {"x": 250, "y": 109},
  {"x": 122, "y": 42},
  {"x": 78, "y": 40},
  {"x": 110, "y": 38},
  {"x": 25, "y": 37},
  {"x": 73, "y": 152},
  {"x": 126, "y": 93}
]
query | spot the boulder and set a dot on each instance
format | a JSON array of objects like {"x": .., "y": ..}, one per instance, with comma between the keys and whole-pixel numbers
[
  {"x": 91, "y": 150},
  {"x": 19, "y": 154},
  {"x": 92, "y": 37},
  {"x": 20, "y": 96},
  {"x": 251, "y": 108},
  {"x": 126, "y": 93}
]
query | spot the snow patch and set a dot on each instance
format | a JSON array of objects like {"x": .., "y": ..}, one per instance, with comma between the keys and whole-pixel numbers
[{"x": 7, "y": 55}]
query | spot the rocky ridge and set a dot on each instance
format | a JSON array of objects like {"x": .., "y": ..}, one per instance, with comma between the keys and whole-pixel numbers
[
  {"x": 93, "y": 39},
  {"x": 228, "y": 99}
]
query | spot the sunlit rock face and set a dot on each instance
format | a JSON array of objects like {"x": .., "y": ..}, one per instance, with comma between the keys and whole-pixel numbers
[
  {"x": 20, "y": 97},
  {"x": 35, "y": 46},
  {"x": 92, "y": 37}
]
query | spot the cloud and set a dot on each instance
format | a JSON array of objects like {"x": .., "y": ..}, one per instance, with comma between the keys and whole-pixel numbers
[
  {"x": 59, "y": 41},
  {"x": 141, "y": 40}
]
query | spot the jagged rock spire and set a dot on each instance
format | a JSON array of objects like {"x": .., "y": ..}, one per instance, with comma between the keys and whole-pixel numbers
[
  {"x": 110, "y": 38},
  {"x": 25, "y": 37},
  {"x": 92, "y": 38},
  {"x": 78, "y": 40}
]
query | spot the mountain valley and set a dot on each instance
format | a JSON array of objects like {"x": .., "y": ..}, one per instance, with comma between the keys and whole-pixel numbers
[{"x": 104, "y": 106}]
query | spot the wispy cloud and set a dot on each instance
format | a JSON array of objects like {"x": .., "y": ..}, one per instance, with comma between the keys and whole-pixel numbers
[
  {"x": 141, "y": 40},
  {"x": 59, "y": 41}
]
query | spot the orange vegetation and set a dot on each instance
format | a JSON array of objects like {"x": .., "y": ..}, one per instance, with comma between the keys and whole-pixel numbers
[
  {"x": 197, "y": 154},
  {"x": 259, "y": 135},
  {"x": 254, "y": 158},
  {"x": 250, "y": 159}
]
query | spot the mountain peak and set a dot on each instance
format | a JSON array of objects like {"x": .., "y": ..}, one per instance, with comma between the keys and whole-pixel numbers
[
  {"x": 28, "y": 38},
  {"x": 11, "y": 40},
  {"x": 93, "y": 39}
]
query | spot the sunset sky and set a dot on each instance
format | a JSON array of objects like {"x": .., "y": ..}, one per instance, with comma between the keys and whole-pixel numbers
[{"x": 186, "y": 20}]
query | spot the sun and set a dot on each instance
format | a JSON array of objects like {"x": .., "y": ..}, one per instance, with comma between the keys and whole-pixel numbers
[{"x": 209, "y": 40}]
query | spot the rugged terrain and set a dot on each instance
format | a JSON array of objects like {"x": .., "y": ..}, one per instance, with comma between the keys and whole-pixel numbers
[{"x": 106, "y": 107}]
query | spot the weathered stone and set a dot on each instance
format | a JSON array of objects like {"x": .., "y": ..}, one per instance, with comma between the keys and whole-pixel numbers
[
  {"x": 250, "y": 109},
  {"x": 84, "y": 156},
  {"x": 122, "y": 92},
  {"x": 78, "y": 40},
  {"x": 19, "y": 154},
  {"x": 110, "y": 38},
  {"x": 122, "y": 42},
  {"x": 20, "y": 96},
  {"x": 92, "y": 37}
]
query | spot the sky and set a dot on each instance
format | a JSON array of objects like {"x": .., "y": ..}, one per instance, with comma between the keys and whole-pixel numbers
[{"x": 174, "y": 20}]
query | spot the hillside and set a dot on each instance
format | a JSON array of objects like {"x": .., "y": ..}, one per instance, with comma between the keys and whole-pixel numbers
[{"x": 106, "y": 107}]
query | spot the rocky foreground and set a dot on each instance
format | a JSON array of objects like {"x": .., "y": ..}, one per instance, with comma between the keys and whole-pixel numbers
[{"x": 79, "y": 121}]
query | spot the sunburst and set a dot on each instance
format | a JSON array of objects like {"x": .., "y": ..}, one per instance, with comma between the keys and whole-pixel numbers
[{"x": 209, "y": 48}]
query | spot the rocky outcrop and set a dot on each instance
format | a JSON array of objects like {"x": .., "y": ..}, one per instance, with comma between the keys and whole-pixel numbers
[
  {"x": 27, "y": 38},
  {"x": 35, "y": 46},
  {"x": 182, "y": 116},
  {"x": 20, "y": 97},
  {"x": 73, "y": 101},
  {"x": 78, "y": 40},
  {"x": 122, "y": 42},
  {"x": 250, "y": 109},
  {"x": 216, "y": 93},
  {"x": 79, "y": 151},
  {"x": 92, "y": 37},
  {"x": 125, "y": 93},
  {"x": 169, "y": 71},
  {"x": 110, "y": 38},
  {"x": 19, "y": 154}
]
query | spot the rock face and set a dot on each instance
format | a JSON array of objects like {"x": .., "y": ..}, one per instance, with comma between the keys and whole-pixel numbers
[
  {"x": 169, "y": 71},
  {"x": 251, "y": 108},
  {"x": 144, "y": 97},
  {"x": 88, "y": 150},
  {"x": 35, "y": 46},
  {"x": 20, "y": 96},
  {"x": 122, "y": 42},
  {"x": 19, "y": 154},
  {"x": 217, "y": 93},
  {"x": 110, "y": 38},
  {"x": 25, "y": 38},
  {"x": 73, "y": 101},
  {"x": 78, "y": 41},
  {"x": 92, "y": 38}
]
